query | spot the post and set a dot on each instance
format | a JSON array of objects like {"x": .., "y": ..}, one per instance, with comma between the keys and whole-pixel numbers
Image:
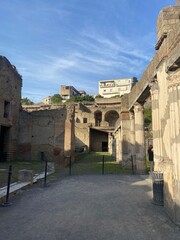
[
  {"x": 70, "y": 165},
  {"x": 103, "y": 165},
  {"x": 45, "y": 173},
  {"x": 42, "y": 156},
  {"x": 132, "y": 164},
  {"x": 7, "y": 203}
]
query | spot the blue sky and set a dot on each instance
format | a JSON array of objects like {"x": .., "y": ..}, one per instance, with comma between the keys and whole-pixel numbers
[{"x": 77, "y": 42}]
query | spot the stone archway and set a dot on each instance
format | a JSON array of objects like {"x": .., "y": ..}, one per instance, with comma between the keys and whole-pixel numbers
[
  {"x": 98, "y": 118},
  {"x": 111, "y": 117}
]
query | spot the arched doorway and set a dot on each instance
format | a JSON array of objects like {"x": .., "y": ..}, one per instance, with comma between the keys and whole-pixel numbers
[
  {"x": 98, "y": 118},
  {"x": 111, "y": 117}
]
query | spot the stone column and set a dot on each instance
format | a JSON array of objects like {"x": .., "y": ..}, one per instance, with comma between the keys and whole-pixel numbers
[
  {"x": 132, "y": 132},
  {"x": 69, "y": 138},
  {"x": 103, "y": 122},
  {"x": 120, "y": 153},
  {"x": 156, "y": 128},
  {"x": 110, "y": 142},
  {"x": 103, "y": 116},
  {"x": 117, "y": 141},
  {"x": 125, "y": 136},
  {"x": 174, "y": 102},
  {"x": 132, "y": 137},
  {"x": 139, "y": 139}
]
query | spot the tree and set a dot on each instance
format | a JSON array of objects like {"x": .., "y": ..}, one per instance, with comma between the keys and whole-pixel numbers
[
  {"x": 135, "y": 80},
  {"x": 86, "y": 98},
  {"x": 26, "y": 101},
  {"x": 56, "y": 98},
  {"x": 99, "y": 96}
]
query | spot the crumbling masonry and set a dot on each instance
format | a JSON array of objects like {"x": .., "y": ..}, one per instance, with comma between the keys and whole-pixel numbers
[{"x": 161, "y": 82}]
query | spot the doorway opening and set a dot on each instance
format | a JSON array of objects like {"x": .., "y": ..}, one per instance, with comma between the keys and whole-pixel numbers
[
  {"x": 4, "y": 137},
  {"x": 104, "y": 146}
]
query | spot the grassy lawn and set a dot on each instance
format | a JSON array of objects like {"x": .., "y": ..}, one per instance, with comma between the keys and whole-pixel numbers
[
  {"x": 36, "y": 166},
  {"x": 85, "y": 163},
  {"x": 147, "y": 164},
  {"x": 91, "y": 163}
]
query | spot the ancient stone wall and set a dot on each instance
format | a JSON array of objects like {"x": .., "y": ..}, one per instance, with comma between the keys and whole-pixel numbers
[
  {"x": 42, "y": 131},
  {"x": 10, "y": 96},
  {"x": 168, "y": 48},
  {"x": 98, "y": 138},
  {"x": 167, "y": 20},
  {"x": 161, "y": 80},
  {"x": 85, "y": 119}
]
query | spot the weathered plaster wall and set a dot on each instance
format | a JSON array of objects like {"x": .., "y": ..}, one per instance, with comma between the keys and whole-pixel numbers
[
  {"x": 42, "y": 131},
  {"x": 167, "y": 20},
  {"x": 98, "y": 138},
  {"x": 82, "y": 135},
  {"x": 10, "y": 92}
]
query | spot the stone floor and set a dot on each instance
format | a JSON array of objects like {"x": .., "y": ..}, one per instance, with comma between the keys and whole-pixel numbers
[{"x": 87, "y": 207}]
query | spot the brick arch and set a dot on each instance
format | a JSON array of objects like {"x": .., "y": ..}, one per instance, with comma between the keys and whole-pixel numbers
[
  {"x": 111, "y": 117},
  {"x": 98, "y": 117}
]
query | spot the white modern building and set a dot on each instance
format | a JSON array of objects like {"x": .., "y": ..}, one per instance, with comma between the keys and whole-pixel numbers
[
  {"x": 47, "y": 100},
  {"x": 113, "y": 87}
]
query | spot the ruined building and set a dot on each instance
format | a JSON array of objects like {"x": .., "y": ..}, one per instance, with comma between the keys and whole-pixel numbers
[
  {"x": 161, "y": 82},
  {"x": 114, "y": 125},
  {"x": 10, "y": 95}
]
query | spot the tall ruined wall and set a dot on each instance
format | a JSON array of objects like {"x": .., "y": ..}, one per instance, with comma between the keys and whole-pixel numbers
[
  {"x": 165, "y": 92},
  {"x": 166, "y": 135},
  {"x": 10, "y": 96},
  {"x": 42, "y": 131},
  {"x": 168, "y": 47},
  {"x": 167, "y": 20},
  {"x": 161, "y": 80}
]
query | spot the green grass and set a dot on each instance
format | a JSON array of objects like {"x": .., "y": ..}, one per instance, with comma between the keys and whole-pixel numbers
[
  {"x": 36, "y": 166},
  {"x": 147, "y": 164},
  {"x": 85, "y": 163},
  {"x": 91, "y": 163}
]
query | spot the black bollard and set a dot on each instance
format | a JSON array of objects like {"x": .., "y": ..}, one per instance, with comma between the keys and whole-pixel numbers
[
  {"x": 42, "y": 156},
  {"x": 7, "y": 203},
  {"x": 103, "y": 165},
  {"x": 45, "y": 173},
  {"x": 70, "y": 165},
  {"x": 132, "y": 164}
]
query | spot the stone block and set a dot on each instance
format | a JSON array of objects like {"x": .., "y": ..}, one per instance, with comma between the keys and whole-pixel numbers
[
  {"x": 50, "y": 167},
  {"x": 25, "y": 175}
]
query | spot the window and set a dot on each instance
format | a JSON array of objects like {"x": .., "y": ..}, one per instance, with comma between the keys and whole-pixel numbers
[
  {"x": 84, "y": 120},
  {"x": 6, "y": 109}
]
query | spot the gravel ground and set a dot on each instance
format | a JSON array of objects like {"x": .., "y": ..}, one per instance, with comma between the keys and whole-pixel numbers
[{"x": 87, "y": 207}]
